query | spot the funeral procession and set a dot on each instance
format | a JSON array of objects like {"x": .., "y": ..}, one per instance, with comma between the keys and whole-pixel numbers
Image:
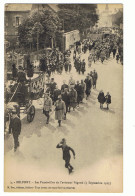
[{"x": 63, "y": 85}]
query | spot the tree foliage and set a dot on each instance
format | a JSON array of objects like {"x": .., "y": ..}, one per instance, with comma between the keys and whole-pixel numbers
[
  {"x": 78, "y": 16},
  {"x": 46, "y": 23},
  {"x": 118, "y": 18}
]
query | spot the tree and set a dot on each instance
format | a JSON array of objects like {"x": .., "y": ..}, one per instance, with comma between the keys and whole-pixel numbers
[
  {"x": 78, "y": 16},
  {"x": 40, "y": 26},
  {"x": 118, "y": 18}
]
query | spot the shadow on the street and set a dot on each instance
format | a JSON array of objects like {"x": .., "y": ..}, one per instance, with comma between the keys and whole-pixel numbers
[
  {"x": 108, "y": 110},
  {"x": 75, "y": 113},
  {"x": 50, "y": 127},
  {"x": 63, "y": 129},
  {"x": 92, "y": 101},
  {"x": 19, "y": 154},
  {"x": 68, "y": 122},
  {"x": 81, "y": 109}
]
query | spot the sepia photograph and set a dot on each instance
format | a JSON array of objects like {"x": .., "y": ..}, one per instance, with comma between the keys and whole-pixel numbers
[{"x": 63, "y": 98}]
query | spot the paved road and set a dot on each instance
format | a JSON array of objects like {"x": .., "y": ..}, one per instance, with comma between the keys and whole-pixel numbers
[{"x": 94, "y": 134}]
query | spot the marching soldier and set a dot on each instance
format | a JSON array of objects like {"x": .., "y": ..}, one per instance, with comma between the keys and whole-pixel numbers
[
  {"x": 47, "y": 106},
  {"x": 59, "y": 109},
  {"x": 66, "y": 99}
]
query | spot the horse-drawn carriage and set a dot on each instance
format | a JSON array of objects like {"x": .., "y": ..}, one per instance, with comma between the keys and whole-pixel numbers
[{"x": 19, "y": 99}]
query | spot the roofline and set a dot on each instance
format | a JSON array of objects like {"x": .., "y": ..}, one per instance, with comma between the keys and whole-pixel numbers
[{"x": 17, "y": 10}]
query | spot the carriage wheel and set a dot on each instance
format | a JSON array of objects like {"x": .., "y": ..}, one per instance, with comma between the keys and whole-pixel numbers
[{"x": 31, "y": 114}]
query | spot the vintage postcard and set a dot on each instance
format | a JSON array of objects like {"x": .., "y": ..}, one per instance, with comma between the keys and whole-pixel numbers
[{"x": 63, "y": 125}]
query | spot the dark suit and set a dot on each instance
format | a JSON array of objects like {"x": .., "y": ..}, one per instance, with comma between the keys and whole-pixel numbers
[
  {"x": 15, "y": 127},
  {"x": 66, "y": 155}
]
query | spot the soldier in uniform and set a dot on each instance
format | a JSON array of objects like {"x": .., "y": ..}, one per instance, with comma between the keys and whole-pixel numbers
[
  {"x": 15, "y": 128},
  {"x": 47, "y": 106},
  {"x": 59, "y": 110},
  {"x": 66, "y": 154},
  {"x": 66, "y": 99}
]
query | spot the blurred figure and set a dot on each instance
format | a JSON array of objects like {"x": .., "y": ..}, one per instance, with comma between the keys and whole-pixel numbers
[
  {"x": 47, "y": 106},
  {"x": 108, "y": 99},
  {"x": 101, "y": 99},
  {"x": 66, "y": 154},
  {"x": 15, "y": 129},
  {"x": 59, "y": 110},
  {"x": 95, "y": 77},
  {"x": 66, "y": 99}
]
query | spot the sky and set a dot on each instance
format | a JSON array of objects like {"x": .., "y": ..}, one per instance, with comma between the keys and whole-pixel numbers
[{"x": 13, "y": 7}]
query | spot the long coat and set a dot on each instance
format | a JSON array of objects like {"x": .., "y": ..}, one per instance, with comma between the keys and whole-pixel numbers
[
  {"x": 56, "y": 93},
  {"x": 88, "y": 86},
  {"x": 73, "y": 97},
  {"x": 101, "y": 98},
  {"x": 59, "y": 109},
  {"x": 15, "y": 126},
  {"x": 95, "y": 76}
]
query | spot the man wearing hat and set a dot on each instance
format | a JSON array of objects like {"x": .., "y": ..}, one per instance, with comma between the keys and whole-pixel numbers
[
  {"x": 59, "y": 109},
  {"x": 47, "y": 106},
  {"x": 15, "y": 128},
  {"x": 66, "y": 154}
]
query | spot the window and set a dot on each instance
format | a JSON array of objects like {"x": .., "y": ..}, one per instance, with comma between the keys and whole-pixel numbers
[{"x": 17, "y": 21}]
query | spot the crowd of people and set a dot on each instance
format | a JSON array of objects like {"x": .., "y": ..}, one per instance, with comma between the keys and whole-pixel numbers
[
  {"x": 72, "y": 93},
  {"x": 70, "y": 96}
]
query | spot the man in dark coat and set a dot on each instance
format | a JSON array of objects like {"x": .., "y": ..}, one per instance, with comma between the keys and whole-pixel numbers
[
  {"x": 66, "y": 154},
  {"x": 88, "y": 86},
  {"x": 52, "y": 87},
  {"x": 15, "y": 129},
  {"x": 64, "y": 85},
  {"x": 21, "y": 75},
  {"x": 83, "y": 66},
  {"x": 79, "y": 91},
  {"x": 73, "y": 98},
  {"x": 56, "y": 93},
  {"x": 101, "y": 99},
  {"x": 14, "y": 71},
  {"x": 95, "y": 76}
]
